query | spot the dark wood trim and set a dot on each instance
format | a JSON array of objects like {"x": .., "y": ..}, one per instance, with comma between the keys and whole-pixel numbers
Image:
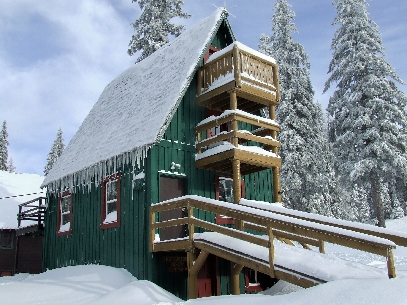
[
  {"x": 68, "y": 232},
  {"x": 113, "y": 224}
]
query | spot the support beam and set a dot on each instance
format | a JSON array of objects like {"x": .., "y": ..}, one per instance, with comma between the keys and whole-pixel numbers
[
  {"x": 391, "y": 270},
  {"x": 193, "y": 274},
  {"x": 235, "y": 270},
  {"x": 237, "y": 189},
  {"x": 276, "y": 170}
]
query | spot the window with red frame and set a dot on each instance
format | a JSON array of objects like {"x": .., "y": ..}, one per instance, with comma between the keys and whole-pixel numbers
[
  {"x": 110, "y": 216},
  {"x": 224, "y": 192},
  {"x": 210, "y": 51},
  {"x": 256, "y": 281},
  {"x": 64, "y": 223}
]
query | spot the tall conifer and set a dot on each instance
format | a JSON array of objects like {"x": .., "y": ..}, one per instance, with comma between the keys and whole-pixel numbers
[
  {"x": 154, "y": 26},
  {"x": 3, "y": 147},
  {"x": 368, "y": 111},
  {"x": 307, "y": 175},
  {"x": 55, "y": 152}
]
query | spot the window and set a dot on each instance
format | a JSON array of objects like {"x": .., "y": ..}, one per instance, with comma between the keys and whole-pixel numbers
[
  {"x": 6, "y": 239},
  {"x": 224, "y": 192},
  {"x": 64, "y": 223},
  {"x": 110, "y": 217},
  {"x": 211, "y": 50},
  {"x": 256, "y": 281}
]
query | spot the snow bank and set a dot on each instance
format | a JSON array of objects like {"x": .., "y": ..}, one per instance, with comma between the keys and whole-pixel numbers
[
  {"x": 12, "y": 184},
  {"x": 99, "y": 285}
]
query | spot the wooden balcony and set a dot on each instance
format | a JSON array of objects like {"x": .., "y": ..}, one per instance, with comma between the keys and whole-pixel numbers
[
  {"x": 252, "y": 75},
  {"x": 217, "y": 152},
  {"x": 33, "y": 210}
]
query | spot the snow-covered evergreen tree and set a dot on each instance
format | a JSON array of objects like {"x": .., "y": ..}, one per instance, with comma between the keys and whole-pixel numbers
[
  {"x": 55, "y": 152},
  {"x": 368, "y": 112},
  {"x": 3, "y": 147},
  {"x": 154, "y": 26},
  {"x": 307, "y": 175},
  {"x": 10, "y": 165}
]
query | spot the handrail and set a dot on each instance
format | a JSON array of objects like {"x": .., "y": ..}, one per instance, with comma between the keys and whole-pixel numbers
[
  {"x": 274, "y": 225},
  {"x": 242, "y": 136},
  {"x": 250, "y": 69},
  {"x": 399, "y": 238},
  {"x": 35, "y": 212}
]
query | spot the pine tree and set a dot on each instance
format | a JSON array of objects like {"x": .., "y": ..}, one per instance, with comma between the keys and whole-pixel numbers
[
  {"x": 307, "y": 175},
  {"x": 368, "y": 112},
  {"x": 3, "y": 147},
  {"x": 153, "y": 27},
  {"x": 10, "y": 165},
  {"x": 55, "y": 152}
]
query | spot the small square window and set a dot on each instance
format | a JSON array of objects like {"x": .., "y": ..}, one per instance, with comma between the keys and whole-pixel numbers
[
  {"x": 110, "y": 202},
  {"x": 6, "y": 239},
  {"x": 64, "y": 223},
  {"x": 224, "y": 192}
]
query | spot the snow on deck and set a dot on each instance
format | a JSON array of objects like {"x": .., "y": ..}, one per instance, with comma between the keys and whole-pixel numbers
[
  {"x": 12, "y": 184},
  {"x": 225, "y": 146},
  {"x": 242, "y": 47},
  {"x": 135, "y": 108},
  {"x": 240, "y": 112},
  {"x": 308, "y": 262}
]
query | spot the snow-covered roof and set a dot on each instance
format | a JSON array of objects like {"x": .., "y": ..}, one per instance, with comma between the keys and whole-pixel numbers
[
  {"x": 13, "y": 184},
  {"x": 134, "y": 110}
]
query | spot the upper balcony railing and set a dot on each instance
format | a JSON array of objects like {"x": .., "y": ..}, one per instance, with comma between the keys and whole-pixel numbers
[
  {"x": 33, "y": 210},
  {"x": 238, "y": 66}
]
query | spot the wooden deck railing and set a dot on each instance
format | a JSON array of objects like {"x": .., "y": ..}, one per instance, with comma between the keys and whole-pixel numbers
[
  {"x": 33, "y": 210},
  {"x": 240, "y": 66},
  {"x": 235, "y": 136},
  {"x": 274, "y": 225}
]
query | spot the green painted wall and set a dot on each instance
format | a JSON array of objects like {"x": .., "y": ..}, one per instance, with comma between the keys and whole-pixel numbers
[{"x": 128, "y": 246}]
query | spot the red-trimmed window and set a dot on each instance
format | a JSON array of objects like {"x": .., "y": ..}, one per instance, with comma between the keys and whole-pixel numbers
[
  {"x": 110, "y": 216},
  {"x": 64, "y": 222},
  {"x": 224, "y": 192},
  {"x": 252, "y": 280},
  {"x": 211, "y": 50}
]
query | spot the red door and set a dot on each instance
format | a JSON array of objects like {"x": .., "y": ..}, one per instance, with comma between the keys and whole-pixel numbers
[{"x": 207, "y": 278}]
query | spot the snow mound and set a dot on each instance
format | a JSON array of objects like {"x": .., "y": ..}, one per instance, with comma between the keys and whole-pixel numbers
[{"x": 90, "y": 284}]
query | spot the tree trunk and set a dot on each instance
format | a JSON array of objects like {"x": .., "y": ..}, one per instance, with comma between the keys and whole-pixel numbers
[{"x": 377, "y": 199}]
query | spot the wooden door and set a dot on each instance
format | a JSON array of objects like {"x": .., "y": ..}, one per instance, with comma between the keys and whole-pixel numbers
[
  {"x": 207, "y": 278},
  {"x": 172, "y": 188}
]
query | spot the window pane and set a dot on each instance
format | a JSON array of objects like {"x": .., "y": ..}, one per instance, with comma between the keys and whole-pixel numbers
[
  {"x": 111, "y": 207},
  {"x": 111, "y": 191},
  {"x": 6, "y": 240},
  {"x": 226, "y": 189},
  {"x": 66, "y": 204}
]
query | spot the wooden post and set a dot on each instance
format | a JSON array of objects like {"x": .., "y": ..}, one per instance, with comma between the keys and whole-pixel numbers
[
  {"x": 237, "y": 191},
  {"x": 193, "y": 275},
  {"x": 233, "y": 100},
  {"x": 191, "y": 227},
  {"x": 276, "y": 82},
  {"x": 39, "y": 212},
  {"x": 321, "y": 246},
  {"x": 391, "y": 270},
  {"x": 152, "y": 232},
  {"x": 276, "y": 170},
  {"x": 198, "y": 140},
  {"x": 235, "y": 277},
  {"x": 271, "y": 251},
  {"x": 19, "y": 215},
  {"x": 236, "y": 66}
]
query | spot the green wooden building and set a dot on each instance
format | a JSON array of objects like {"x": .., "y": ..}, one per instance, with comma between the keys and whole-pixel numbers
[{"x": 138, "y": 146}]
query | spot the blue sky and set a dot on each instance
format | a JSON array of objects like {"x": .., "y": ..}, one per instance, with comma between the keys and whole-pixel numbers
[{"x": 56, "y": 57}]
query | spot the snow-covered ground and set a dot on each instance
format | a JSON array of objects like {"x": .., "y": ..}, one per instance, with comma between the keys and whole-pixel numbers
[
  {"x": 102, "y": 285},
  {"x": 15, "y": 184}
]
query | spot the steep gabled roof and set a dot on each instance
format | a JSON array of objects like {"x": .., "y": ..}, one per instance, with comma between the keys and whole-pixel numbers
[{"x": 134, "y": 110}]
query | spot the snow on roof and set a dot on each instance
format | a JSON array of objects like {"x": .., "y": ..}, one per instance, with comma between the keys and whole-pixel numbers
[
  {"x": 13, "y": 184},
  {"x": 134, "y": 110}
]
